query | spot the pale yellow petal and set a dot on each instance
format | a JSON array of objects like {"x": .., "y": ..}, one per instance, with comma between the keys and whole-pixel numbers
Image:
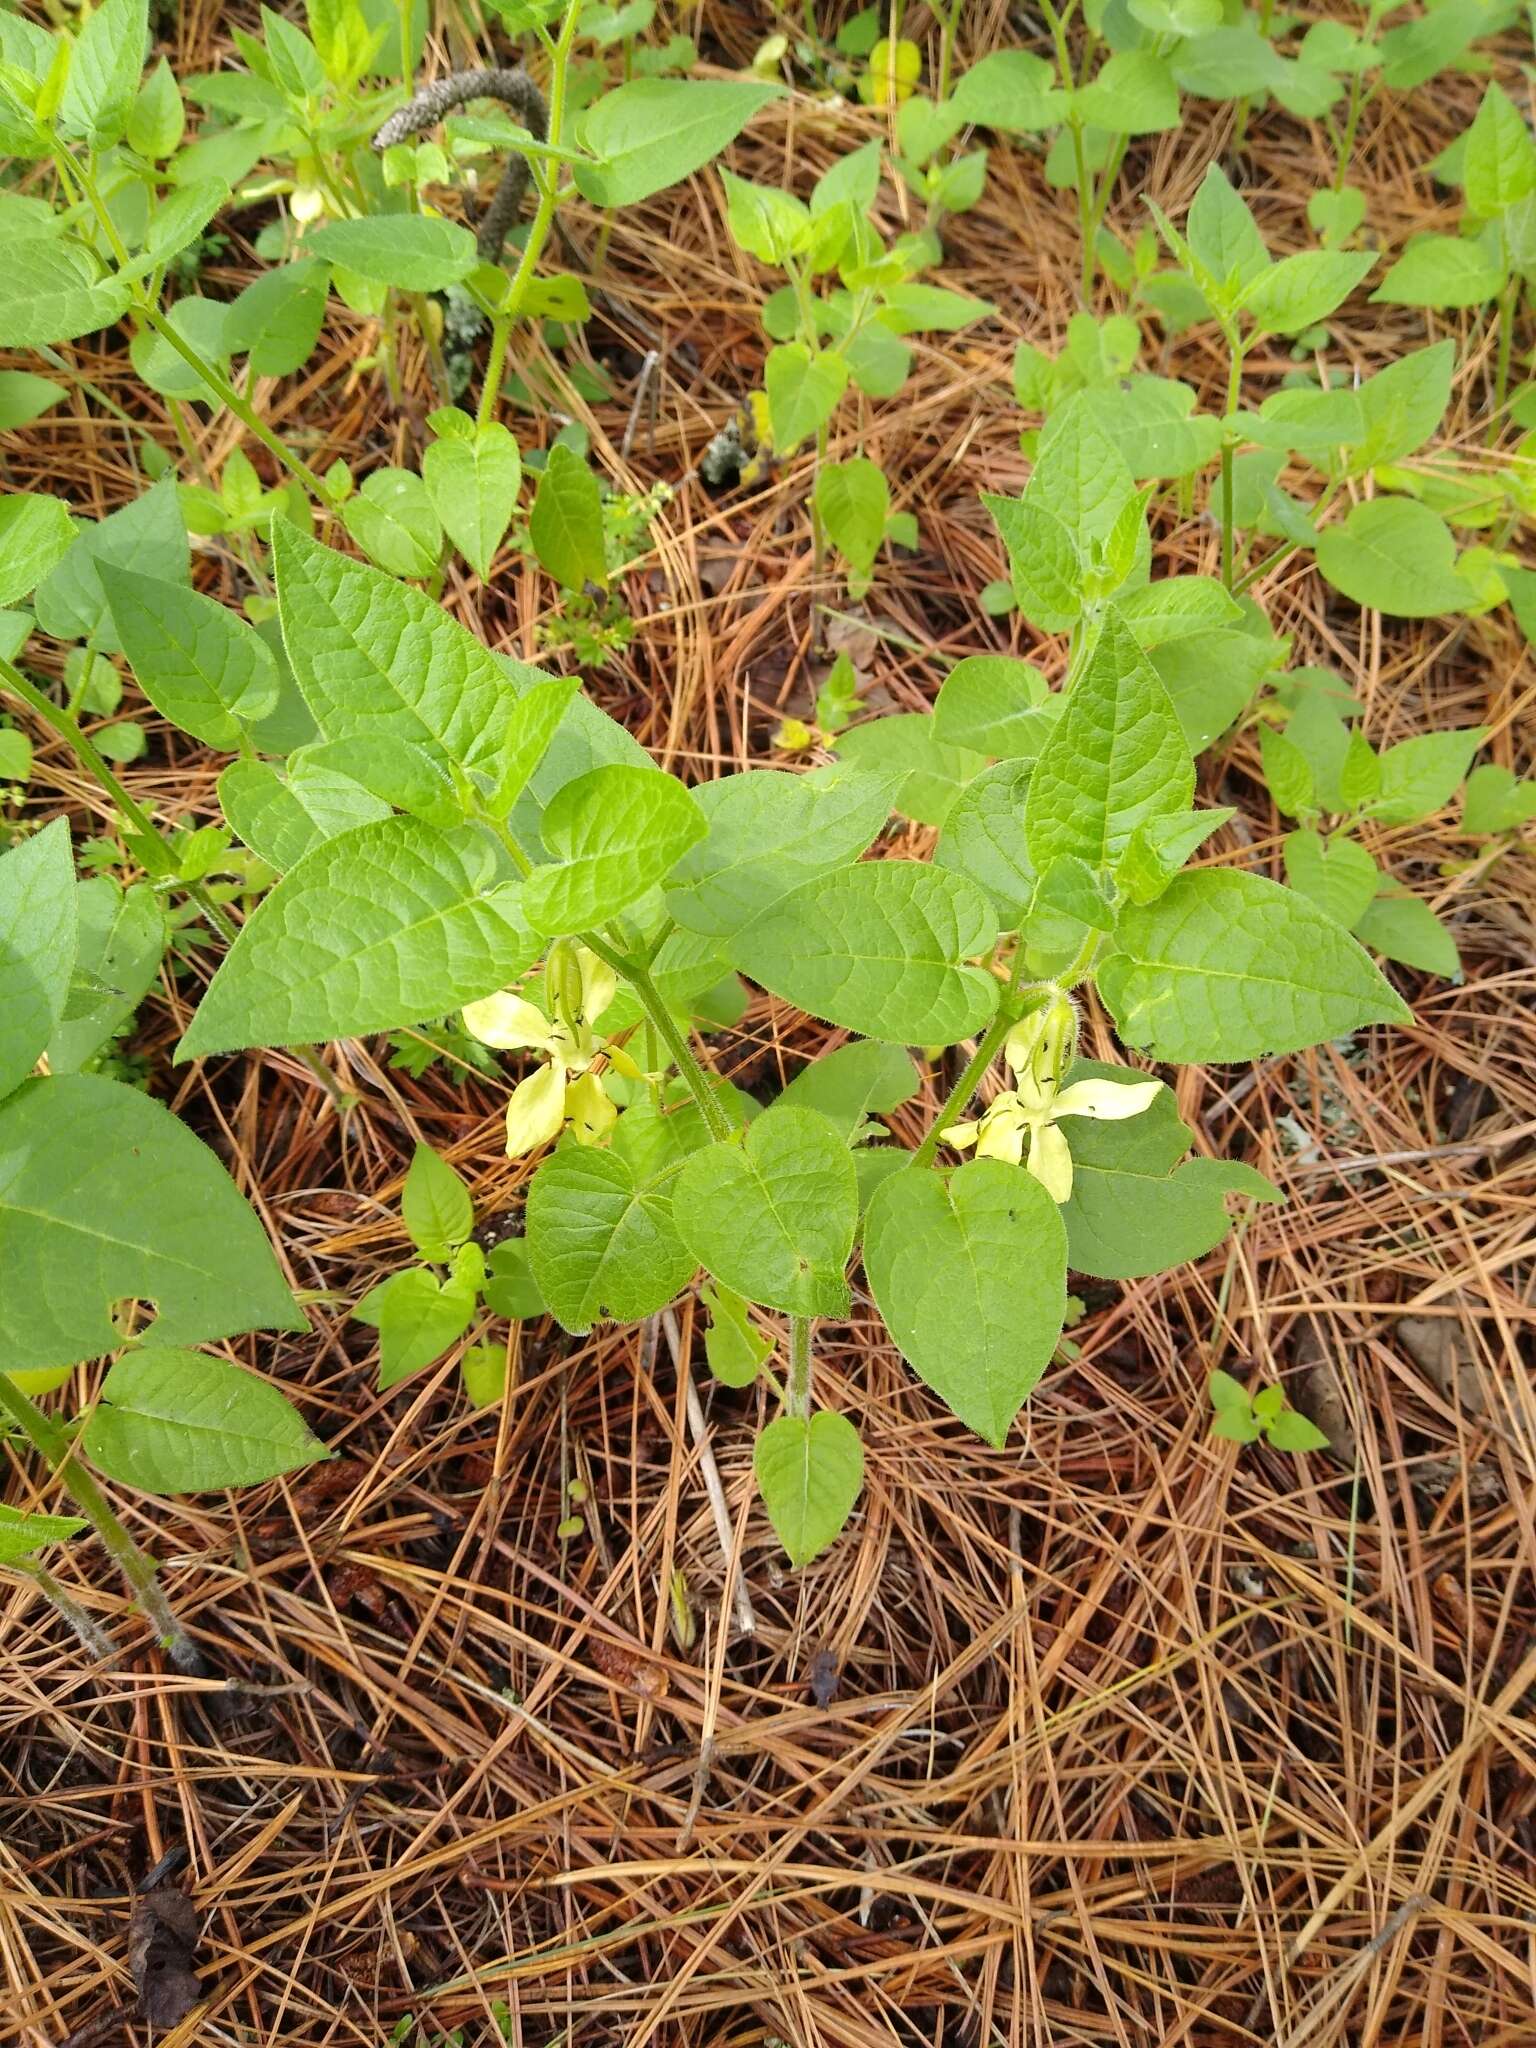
[
  {"x": 507, "y": 1022},
  {"x": 599, "y": 984},
  {"x": 1050, "y": 1161},
  {"x": 536, "y": 1111},
  {"x": 592, "y": 1116},
  {"x": 1002, "y": 1137},
  {"x": 961, "y": 1136},
  {"x": 1109, "y": 1101}
]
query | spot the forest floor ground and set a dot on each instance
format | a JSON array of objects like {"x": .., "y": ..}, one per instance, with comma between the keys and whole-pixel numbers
[{"x": 1118, "y": 1735}]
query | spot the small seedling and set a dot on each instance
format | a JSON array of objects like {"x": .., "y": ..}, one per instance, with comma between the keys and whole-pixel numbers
[{"x": 1243, "y": 1416}]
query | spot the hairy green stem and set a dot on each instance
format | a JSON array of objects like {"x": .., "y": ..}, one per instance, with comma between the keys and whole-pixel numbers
[
  {"x": 666, "y": 1027},
  {"x": 538, "y": 230},
  {"x": 798, "y": 1396},
  {"x": 965, "y": 1087},
  {"x": 54, "y": 1446},
  {"x": 93, "y": 1638},
  {"x": 1507, "y": 304}
]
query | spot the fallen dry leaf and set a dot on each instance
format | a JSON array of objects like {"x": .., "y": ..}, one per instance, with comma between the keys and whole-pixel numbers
[{"x": 162, "y": 1941}]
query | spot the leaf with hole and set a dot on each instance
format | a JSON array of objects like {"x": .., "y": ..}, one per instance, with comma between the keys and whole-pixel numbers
[{"x": 106, "y": 1197}]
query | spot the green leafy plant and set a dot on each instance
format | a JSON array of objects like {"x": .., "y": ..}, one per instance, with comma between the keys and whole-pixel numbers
[
  {"x": 1242, "y": 1415},
  {"x": 1321, "y": 769},
  {"x": 640, "y": 895},
  {"x": 121, "y": 1237},
  {"x": 852, "y": 333},
  {"x": 422, "y": 1311}
]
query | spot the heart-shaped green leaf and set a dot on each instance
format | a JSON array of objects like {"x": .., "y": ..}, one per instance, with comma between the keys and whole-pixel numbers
[
  {"x": 774, "y": 1217},
  {"x": 970, "y": 1272},
  {"x": 613, "y": 834},
  {"x": 809, "y": 1472}
]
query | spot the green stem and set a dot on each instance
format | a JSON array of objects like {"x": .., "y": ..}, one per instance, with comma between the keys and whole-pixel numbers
[
  {"x": 538, "y": 231},
  {"x": 1228, "y": 448},
  {"x": 965, "y": 1087},
  {"x": 665, "y": 1025},
  {"x": 215, "y": 380},
  {"x": 947, "y": 24},
  {"x": 157, "y": 855},
  {"x": 1507, "y": 305},
  {"x": 153, "y": 852},
  {"x": 1057, "y": 23},
  {"x": 94, "y": 1639},
  {"x": 53, "y": 1445},
  {"x": 798, "y": 1396}
]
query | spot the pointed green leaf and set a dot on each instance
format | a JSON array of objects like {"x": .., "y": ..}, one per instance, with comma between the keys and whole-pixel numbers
[
  {"x": 371, "y": 655},
  {"x": 653, "y": 132},
  {"x": 1116, "y": 758},
  {"x": 200, "y": 665},
  {"x": 182, "y": 1422},
  {"x": 105, "y": 1197},
  {"x": 282, "y": 817},
  {"x": 1134, "y": 1208},
  {"x": 37, "y": 947},
  {"x": 1396, "y": 556},
  {"x": 995, "y": 705},
  {"x": 122, "y": 942},
  {"x": 881, "y": 949},
  {"x": 1303, "y": 289},
  {"x": 418, "y": 1317},
  {"x": 55, "y": 292},
  {"x": 416, "y": 252},
  {"x": 1230, "y": 966},
  {"x": 435, "y": 1205},
  {"x": 733, "y": 1346},
  {"x": 774, "y": 1217},
  {"x": 388, "y": 924},
  {"x": 1336, "y": 874},
  {"x": 613, "y": 834},
  {"x": 565, "y": 526},
  {"x": 803, "y": 391},
  {"x": 148, "y": 534},
  {"x": 969, "y": 1271},
  {"x": 769, "y": 831},
  {"x": 35, "y": 535},
  {"x": 1043, "y": 564},
  {"x": 601, "y": 1240},
  {"x": 21, "y": 1534},
  {"x": 809, "y": 1471},
  {"x": 1403, "y": 929},
  {"x": 473, "y": 480},
  {"x": 104, "y": 69},
  {"x": 983, "y": 837}
]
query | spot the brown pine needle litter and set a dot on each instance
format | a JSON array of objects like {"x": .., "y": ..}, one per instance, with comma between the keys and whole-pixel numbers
[{"x": 1119, "y": 1736}]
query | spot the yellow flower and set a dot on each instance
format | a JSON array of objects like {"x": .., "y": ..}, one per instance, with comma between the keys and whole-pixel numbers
[
  {"x": 1038, "y": 1051},
  {"x": 578, "y": 987},
  {"x": 536, "y": 1110}
]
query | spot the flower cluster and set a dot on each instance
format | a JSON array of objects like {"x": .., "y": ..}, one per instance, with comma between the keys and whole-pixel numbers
[
  {"x": 1038, "y": 1051},
  {"x": 578, "y": 987}
]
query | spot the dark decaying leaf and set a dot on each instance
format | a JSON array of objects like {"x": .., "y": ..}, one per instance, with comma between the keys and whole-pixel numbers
[{"x": 162, "y": 1940}]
